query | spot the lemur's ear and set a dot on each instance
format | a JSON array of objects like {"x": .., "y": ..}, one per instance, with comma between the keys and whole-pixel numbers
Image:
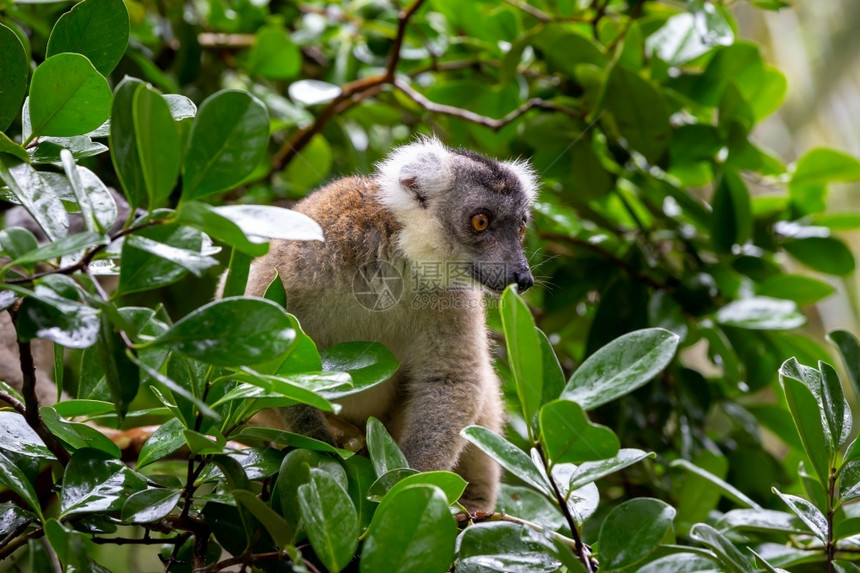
[
  {"x": 415, "y": 173},
  {"x": 524, "y": 171}
]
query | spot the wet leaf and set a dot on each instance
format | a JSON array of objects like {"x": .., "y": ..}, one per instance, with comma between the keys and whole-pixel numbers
[
  {"x": 96, "y": 482},
  {"x": 149, "y": 505}
]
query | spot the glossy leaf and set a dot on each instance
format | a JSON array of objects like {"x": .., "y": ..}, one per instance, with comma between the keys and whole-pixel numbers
[
  {"x": 621, "y": 366},
  {"x": 280, "y": 531},
  {"x": 728, "y": 555},
  {"x": 232, "y": 331},
  {"x": 682, "y": 563},
  {"x": 505, "y": 547},
  {"x": 77, "y": 435},
  {"x": 96, "y": 482},
  {"x": 97, "y": 29},
  {"x": 124, "y": 145},
  {"x": 330, "y": 519},
  {"x": 633, "y": 530},
  {"x": 569, "y": 436},
  {"x": 367, "y": 363},
  {"x": 65, "y": 246},
  {"x": 383, "y": 450},
  {"x": 187, "y": 259},
  {"x": 295, "y": 471},
  {"x": 142, "y": 270},
  {"x": 34, "y": 193},
  {"x": 767, "y": 520},
  {"x": 508, "y": 455},
  {"x": 450, "y": 483},
  {"x": 836, "y": 410},
  {"x": 164, "y": 441},
  {"x": 18, "y": 437},
  {"x": 525, "y": 354},
  {"x": 149, "y": 505},
  {"x": 845, "y": 342},
  {"x": 67, "y": 97},
  {"x": 813, "y": 430},
  {"x": 13, "y": 76},
  {"x": 267, "y": 222},
  {"x": 591, "y": 471},
  {"x": 761, "y": 313},
  {"x": 728, "y": 489},
  {"x": 227, "y": 140},
  {"x": 14, "y": 478},
  {"x": 157, "y": 144},
  {"x": 411, "y": 531},
  {"x": 824, "y": 254},
  {"x": 810, "y": 515}
]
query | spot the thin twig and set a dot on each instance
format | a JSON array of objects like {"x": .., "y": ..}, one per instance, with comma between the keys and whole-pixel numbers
[
  {"x": 179, "y": 539},
  {"x": 14, "y": 402},
  {"x": 492, "y": 123},
  {"x": 16, "y": 544}
]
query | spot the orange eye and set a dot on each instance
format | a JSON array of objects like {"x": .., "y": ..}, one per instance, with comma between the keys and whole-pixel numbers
[
  {"x": 480, "y": 222},
  {"x": 522, "y": 229}
]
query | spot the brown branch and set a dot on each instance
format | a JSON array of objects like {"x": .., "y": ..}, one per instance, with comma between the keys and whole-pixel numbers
[
  {"x": 221, "y": 41},
  {"x": 402, "y": 22},
  {"x": 16, "y": 544},
  {"x": 350, "y": 94},
  {"x": 492, "y": 123},
  {"x": 178, "y": 539},
  {"x": 14, "y": 402},
  {"x": 31, "y": 404},
  {"x": 530, "y": 10}
]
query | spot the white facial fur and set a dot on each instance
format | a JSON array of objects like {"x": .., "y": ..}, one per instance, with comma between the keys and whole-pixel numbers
[{"x": 411, "y": 178}]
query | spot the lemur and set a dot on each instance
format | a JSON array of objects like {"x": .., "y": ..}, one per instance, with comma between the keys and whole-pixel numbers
[{"x": 428, "y": 210}]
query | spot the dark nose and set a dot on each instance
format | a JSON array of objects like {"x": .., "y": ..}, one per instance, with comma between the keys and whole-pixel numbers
[{"x": 524, "y": 280}]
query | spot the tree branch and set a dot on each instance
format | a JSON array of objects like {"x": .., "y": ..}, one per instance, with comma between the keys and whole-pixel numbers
[
  {"x": 31, "y": 404},
  {"x": 492, "y": 123},
  {"x": 14, "y": 402},
  {"x": 17, "y": 543}
]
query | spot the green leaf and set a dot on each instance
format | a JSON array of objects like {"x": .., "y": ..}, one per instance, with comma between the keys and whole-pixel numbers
[
  {"x": 799, "y": 288},
  {"x": 836, "y": 410},
  {"x": 204, "y": 218},
  {"x": 526, "y": 503},
  {"x": 807, "y": 415},
  {"x": 845, "y": 342},
  {"x": 278, "y": 528},
  {"x": 67, "y": 97},
  {"x": 813, "y": 171},
  {"x": 591, "y": 471},
  {"x": 267, "y": 222},
  {"x": 525, "y": 354},
  {"x": 824, "y": 254},
  {"x": 14, "y": 478},
  {"x": 450, "y": 483},
  {"x": 149, "y": 505},
  {"x": 95, "y": 482},
  {"x": 18, "y": 437},
  {"x": 330, "y": 519},
  {"x": 284, "y": 438},
  {"x": 728, "y": 555},
  {"x": 367, "y": 363},
  {"x": 849, "y": 482},
  {"x": 731, "y": 491},
  {"x": 682, "y": 563},
  {"x": 633, "y": 530},
  {"x": 17, "y": 241},
  {"x": 553, "y": 375},
  {"x": 97, "y": 29},
  {"x": 227, "y": 140},
  {"x": 505, "y": 547},
  {"x": 237, "y": 277},
  {"x": 65, "y": 246},
  {"x": 123, "y": 143},
  {"x": 810, "y": 515},
  {"x": 273, "y": 55},
  {"x": 761, "y": 313},
  {"x": 296, "y": 470},
  {"x": 9, "y": 146},
  {"x": 36, "y": 196},
  {"x": 13, "y": 76},
  {"x": 232, "y": 332},
  {"x": 621, "y": 366},
  {"x": 158, "y": 144},
  {"x": 87, "y": 408},
  {"x": 760, "y": 520},
  {"x": 508, "y": 455},
  {"x": 46, "y": 314},
  {"x": 121, "y": 374},
  {"x": 141, "y": 270},
  {"x": 383, "y": 450},
  {"x": 164, "y": 441},
  {"x": 731, "y": 220},
  {"x": 76, "y": 184},
  {"x": 77, "y": 435},
  {"x": 681, "y": 40},
  {"x": 568, "y": 435},
  {"x": 89, "y": 189},
  {"x": 187, "y": 259},
  {"x": 411, "y": 531},
  {"x": 638, "y": 111}
]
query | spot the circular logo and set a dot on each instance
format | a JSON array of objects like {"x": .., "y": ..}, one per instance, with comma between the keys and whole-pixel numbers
[{"x": 377, "y": 285}]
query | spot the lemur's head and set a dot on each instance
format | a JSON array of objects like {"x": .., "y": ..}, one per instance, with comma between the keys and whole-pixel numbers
[{"x": 457, "y": 207}]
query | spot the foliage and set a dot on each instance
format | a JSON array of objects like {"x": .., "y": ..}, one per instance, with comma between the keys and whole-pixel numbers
[{"x": 662, "y": 228}]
